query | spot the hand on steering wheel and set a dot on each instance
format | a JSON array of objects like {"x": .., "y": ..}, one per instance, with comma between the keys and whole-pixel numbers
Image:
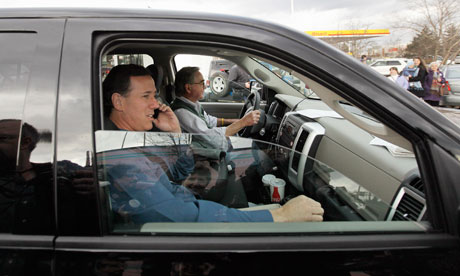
[{"x": 252, "y": 103}]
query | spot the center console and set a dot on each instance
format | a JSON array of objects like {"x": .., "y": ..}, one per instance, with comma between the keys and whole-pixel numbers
[{"x": 299, "y": 138}]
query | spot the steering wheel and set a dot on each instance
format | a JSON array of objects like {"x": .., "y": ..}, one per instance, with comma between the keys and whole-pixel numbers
[{"x": 252, "y": 103}]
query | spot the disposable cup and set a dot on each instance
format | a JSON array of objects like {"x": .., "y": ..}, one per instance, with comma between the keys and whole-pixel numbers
[
  {"x": 277, "y": 187},
  {"x": 267, "y": 179}
]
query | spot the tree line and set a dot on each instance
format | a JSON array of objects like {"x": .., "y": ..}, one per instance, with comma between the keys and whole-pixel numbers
[{"x": 437, "y": 27}]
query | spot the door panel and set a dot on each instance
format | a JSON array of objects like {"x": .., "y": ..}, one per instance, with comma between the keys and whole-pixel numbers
[{"x": 223, "y": 110}]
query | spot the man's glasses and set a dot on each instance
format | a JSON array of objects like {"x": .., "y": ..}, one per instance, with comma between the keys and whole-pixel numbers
[{"x": 200, "y": 83}]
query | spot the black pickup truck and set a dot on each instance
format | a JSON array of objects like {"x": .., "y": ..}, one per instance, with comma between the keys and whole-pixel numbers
[{"x": 384, "y": 165}]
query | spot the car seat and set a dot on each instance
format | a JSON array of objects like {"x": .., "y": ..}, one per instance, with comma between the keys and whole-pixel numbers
[
  {"x": 157, "y": 74},
  {"x": 165, "y": 91}
]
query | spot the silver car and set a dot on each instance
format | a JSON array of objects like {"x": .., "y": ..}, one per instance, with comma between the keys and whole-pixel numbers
[
  {"x": 452, "y": 75},
  {"x": 457, "y": 60},
  {"x": 383, "y": 65}
]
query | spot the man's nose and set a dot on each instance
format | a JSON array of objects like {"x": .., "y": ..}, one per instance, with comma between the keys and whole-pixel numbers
[{"x": 154, "y": 104}]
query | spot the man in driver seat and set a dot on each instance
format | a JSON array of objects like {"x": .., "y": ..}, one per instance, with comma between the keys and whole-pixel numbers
[{"x": 190, "y": 87}]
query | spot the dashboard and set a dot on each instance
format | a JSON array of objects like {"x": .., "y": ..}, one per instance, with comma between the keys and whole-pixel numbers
[{"x": 337, "y": 163}]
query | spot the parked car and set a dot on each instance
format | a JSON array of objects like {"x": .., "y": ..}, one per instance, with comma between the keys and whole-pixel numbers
[
  {"x": 220, "y": 88},
  {"x": 383, "y": 164},
  {"x": 383, "y": 65},
  {"x": 452, "y": 75},
  {"x": 218, "y": 77},
  {"x": 457, "y": 59}
]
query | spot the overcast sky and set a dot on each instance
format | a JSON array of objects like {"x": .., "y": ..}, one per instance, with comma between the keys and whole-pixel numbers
[{"x": 302, "y": 15}]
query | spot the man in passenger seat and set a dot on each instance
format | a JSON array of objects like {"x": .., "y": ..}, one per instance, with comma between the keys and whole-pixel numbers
[{"x": 129, "y": 101}]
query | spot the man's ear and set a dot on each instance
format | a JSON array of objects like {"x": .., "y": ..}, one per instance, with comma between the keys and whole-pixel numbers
[
  {"x": 117, "y": 101},
  {"x": 188, "y": 88}
]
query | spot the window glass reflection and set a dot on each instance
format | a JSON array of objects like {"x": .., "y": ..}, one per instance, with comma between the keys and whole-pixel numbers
[
  {"x": 150, "y": 178},
  {"x": 26, "y": 191},
  {"x": 16, "y": 59}
]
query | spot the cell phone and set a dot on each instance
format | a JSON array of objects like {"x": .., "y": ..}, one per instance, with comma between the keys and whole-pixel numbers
[{"x": 156, "y": 112}]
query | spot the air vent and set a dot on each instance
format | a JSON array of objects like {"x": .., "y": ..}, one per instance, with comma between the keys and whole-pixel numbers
[
  {"x": 299, "y": 148},
  {"x": 408, "y": 209},
  {"x": 418, "y": 185},
  {"x": 301, "y": 142},
  {"x": 408, "y": 206}
]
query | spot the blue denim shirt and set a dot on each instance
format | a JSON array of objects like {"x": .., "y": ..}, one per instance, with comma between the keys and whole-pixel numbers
[{"x": 147, "y": 198}]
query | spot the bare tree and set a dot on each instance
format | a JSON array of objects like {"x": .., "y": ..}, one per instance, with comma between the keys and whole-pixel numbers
[{"x": 439, "y": 17}]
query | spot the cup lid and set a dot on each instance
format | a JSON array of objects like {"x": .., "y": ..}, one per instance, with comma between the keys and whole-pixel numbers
[
  {"x": 268, "y": 177},
  {"x": 278, "y": 182}
]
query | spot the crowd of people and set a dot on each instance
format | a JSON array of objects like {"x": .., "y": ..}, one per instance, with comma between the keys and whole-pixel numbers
[{"x": 427, "y": 83}]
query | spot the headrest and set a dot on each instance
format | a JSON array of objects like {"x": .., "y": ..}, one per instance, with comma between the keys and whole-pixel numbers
[{"x": 157, "y": 74}]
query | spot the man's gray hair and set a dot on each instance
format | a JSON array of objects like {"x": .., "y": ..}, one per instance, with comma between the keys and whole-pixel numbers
[{"x": 184, "y": 76}]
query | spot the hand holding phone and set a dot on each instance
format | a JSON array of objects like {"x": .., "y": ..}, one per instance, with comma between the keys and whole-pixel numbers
[{"x": 168, "y": 121}]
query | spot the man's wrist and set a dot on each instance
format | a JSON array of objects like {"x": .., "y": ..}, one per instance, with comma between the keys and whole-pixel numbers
[{"x": 278, "y": 215}]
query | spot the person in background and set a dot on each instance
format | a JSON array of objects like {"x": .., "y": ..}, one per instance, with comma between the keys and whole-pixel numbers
[
  {"x": 364, "y": 59},
  {"x": 397, "y": 78},
  {"x": 433, "y": 83},
  {"x": 421, "y": 75},
  {"x": 238, "y": 80},
  {"x": 411, "y": 72}
]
